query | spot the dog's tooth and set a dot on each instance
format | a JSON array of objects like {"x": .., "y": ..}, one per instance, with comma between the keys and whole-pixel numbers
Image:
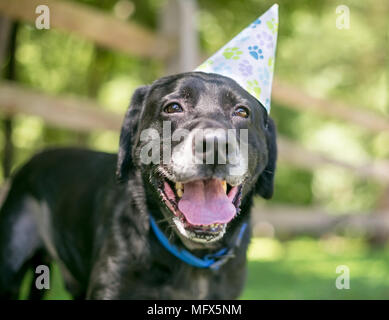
[
  {"x": 224, "y": 184},
  {"x": 179, "y": 185},
  {"x": 179, "y": 188}
]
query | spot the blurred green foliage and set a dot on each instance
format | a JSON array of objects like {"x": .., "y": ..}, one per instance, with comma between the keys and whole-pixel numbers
[
  {"x": 350, "y": 65},
  {"x": 306, "y": 269},
  {"x": 296, "y": 269}
]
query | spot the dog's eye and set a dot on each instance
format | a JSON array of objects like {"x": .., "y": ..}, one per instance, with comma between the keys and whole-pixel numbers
[
  {"x": 173, "y": 108},
  {"x": 242, "y": 112}
]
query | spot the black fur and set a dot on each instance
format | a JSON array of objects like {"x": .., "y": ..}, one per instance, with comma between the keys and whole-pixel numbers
[
  {"x": 128, "y": 134},
  {"x": 265, "y": 183},
  {"x": 69, "y": 206}
]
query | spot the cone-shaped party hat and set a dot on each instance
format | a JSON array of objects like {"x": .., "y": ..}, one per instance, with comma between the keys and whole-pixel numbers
[{"x": 249, "y": 57}]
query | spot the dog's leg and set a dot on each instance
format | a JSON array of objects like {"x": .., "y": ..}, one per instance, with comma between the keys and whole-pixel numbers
[
  {"x": 19, "y": 242},
  {"x": 116, "y": 270}
]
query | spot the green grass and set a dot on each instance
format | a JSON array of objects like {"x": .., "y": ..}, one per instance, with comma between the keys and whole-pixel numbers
[
  {"x": 306, "y": 269},
  {"x": 298, "y": 269}
]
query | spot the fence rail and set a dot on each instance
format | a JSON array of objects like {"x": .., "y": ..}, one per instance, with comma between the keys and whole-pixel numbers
[
  {"x": 64, "y": 112},
  {"x": 294, "y": 98},
  {"x": 286, "y": 222},
  {"x": 128, "y": 37},
  {"x": 82, "y": 114},
  {"x": 86, "y": 115},
  {"x": 93, "y": 24},
  {"x": 299, "y": 156}
]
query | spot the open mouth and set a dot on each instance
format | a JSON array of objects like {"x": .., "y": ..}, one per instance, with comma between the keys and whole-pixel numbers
[{"x": 202, "y": 208}]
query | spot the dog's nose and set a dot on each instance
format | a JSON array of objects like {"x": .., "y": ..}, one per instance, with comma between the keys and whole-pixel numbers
[{"x": 212, "y": 146}]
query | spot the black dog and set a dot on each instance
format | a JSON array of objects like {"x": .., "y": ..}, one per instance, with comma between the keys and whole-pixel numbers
[{"x": 67, "y": 205}]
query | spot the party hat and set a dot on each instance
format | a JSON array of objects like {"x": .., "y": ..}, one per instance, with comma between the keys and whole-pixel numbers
[{"x": 249, "y": 57}]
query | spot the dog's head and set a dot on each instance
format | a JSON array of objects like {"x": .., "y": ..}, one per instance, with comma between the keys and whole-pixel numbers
[{"x": 203, "y": 144}]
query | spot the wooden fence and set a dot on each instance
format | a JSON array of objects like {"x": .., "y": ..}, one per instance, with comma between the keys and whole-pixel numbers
[
  {"x": 179, "y": 50},
  {"x": 82, "y": 114}
]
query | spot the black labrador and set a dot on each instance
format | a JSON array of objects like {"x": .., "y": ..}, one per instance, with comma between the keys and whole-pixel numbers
[{"x": 68, "y": 205}]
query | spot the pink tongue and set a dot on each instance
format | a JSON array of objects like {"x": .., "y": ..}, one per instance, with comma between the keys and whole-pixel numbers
[{"x": 205, "y": 202}]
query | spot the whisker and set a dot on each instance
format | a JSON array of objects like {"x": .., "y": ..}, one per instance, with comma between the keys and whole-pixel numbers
[
  {"x": 170, "y": 236},
  {"x": 163, "y": 220}
]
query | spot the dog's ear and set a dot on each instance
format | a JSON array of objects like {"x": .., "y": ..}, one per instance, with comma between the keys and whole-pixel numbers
[
  {"x": 128, "y": 133},
  {"x": 265, "y": 183}
]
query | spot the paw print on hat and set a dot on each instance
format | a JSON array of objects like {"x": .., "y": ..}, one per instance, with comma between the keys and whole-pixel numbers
[
  {"x": 272, "y": 25},
  {"x": 245, "y": 68},
  {"x": 248, "y": 58},
  {"x": 267, "y": 103},
  {"x": 256, "y": 52},
  {"x": 265, "y": 40},
  {"x": 254, "y": 88},
  {"x": 256, "y": 23},
  {"x": 264, "y": 76},
  {"x": 270, "y": 64},
  {"x": 222, "y": 67},
  {"x": 232, "y": 53}
]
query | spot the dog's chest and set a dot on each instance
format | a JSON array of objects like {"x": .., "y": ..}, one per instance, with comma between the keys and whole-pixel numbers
[
  {"x": 201, "y": 286},
  {"x": 198, "y": 284}
]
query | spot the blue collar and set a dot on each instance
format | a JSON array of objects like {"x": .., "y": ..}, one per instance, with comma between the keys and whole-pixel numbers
[{"x": 212, "y": 261}]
